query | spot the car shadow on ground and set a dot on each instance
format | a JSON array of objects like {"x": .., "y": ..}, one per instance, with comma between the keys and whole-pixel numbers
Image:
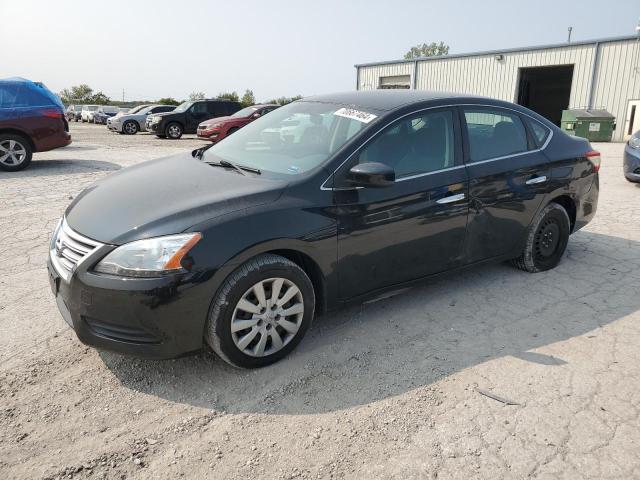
[
  {"x": 50, "y": 167},
  {"x": 363, "y": 354}
]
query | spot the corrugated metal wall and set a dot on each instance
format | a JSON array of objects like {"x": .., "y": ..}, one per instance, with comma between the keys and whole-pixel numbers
[
  {"x": 617, "y": 81},
  {"x": 369, "y": 77}
]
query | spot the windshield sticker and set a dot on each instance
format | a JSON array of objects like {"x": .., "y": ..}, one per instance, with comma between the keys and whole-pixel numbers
[{"x": 353, "y": 114}]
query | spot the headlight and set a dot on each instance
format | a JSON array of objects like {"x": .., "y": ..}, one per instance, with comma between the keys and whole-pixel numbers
[
  {"x": 152, "y": 257},
  {"x": 215, "y": 125},
  {"x": 634, "y": 142},
  {"x": 155, "y": 119}
]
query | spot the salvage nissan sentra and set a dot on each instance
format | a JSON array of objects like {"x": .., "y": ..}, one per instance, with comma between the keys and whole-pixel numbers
[{"x": 325, "y": 201}]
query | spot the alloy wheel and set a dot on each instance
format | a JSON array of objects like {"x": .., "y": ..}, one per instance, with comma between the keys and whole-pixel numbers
[
  {"x": 267, "y": 317},
  {"x": 130, "y": 128},
  {"x": 12, "y": 153},
  {"x": 174, "y": 131}
]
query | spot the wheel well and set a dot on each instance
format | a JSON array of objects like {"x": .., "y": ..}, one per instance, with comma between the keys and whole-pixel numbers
[
  {"x": 13, "y": 131},
  {"x": 312, "y": 270},
  {"x": 568, "y": 204}
]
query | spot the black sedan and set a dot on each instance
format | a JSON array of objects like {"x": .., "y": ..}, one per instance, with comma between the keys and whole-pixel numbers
[{"x": 325, "y": 201}]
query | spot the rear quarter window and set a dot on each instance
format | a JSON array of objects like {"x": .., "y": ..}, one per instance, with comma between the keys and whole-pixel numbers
[{"x": 539, "y": 132}]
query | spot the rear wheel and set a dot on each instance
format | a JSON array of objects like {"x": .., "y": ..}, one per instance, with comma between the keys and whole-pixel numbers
[
  {"x": 547, "y": 239},
  {"x": 261, "y": 312},
  {"x": 173, "y": 131},
  {"x": 15, "y": 153},
  {"x": 130, "y": 127}
]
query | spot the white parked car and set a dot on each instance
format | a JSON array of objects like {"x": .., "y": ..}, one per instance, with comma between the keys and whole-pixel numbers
[{"x": 87, "y": 113}]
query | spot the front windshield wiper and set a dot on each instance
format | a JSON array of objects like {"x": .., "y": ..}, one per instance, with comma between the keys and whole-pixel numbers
[{"x": 239, "y": 168}]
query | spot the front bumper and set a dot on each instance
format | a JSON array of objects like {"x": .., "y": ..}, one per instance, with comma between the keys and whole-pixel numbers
[
  {"x": 154, "y": 318},
  {"x": 114, "y": 126},
  {"x": 153, "y": 127},
  {"x": 631, "y": 164},
  {"x": 211, "y": 135}
]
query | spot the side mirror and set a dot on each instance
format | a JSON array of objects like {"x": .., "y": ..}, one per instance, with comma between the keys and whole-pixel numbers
[
  {"x": 256, "y": 115},
  {"x": 372, "y": 174}
]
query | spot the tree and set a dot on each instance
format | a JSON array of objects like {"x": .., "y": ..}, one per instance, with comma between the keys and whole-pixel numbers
[
  {"x": 233, "y": 96},
  {"x": 168, "y": 101},
  {"x": 432, "y": 49},
  {"x": 196, "y": 96},
  {"x": 285, "y": 100},
  {"x": 248, "y": 98},
  {"x": 99, "y": 99},
  {"x": 78, "y": 94},
  {"x": 83, "y": 94}
]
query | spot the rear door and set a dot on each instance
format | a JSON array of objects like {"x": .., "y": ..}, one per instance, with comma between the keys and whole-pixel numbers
[
  {"x": 508, "y": 179},
  {"x": 414, "y": 227}
]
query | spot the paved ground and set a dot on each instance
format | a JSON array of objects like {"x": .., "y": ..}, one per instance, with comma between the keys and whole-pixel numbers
[{"x": 386, "y": 390}]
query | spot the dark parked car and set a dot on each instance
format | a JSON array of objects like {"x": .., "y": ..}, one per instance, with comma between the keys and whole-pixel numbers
[
  {"x": 244, "y": 242},
  {"x": 187, "y": 116},
  {"x": 103, "y": 113},
  {"x": 631, "y": 163},
  {"x": 73, "y": 113},
  {"x": 31, "y": 120},
  {"x": 216, "y": 129}
]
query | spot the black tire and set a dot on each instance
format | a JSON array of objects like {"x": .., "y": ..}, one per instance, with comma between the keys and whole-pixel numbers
[
  {"x": 547, "y": 239},
  {"x": 21, "y": 144},
  {"x": 130, "y": 127},
  {"x": 218, "y": 329},
  {"x": 161, "y": 136},
  {"x": 173, "y": 131}
]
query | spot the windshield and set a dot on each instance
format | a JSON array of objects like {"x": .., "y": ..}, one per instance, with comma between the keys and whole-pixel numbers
[
  {"x": 292, "y": 139},
  {"x": 245, "y": 112},
  {"x": 109, "y": 109},
  {"x": 137, "y": 109},
  {"x": 91, "y": 108},
  {"x": 183, "y": 107},
  {"x": 145, "y": 110}
]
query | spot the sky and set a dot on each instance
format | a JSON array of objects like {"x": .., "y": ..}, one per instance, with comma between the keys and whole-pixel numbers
[{"x": 162, "y": 48}]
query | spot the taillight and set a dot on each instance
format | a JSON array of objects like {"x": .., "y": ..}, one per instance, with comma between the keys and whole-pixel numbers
[
  {"x": 594, "y": 157},
  {"x": 51, "y": 113}
]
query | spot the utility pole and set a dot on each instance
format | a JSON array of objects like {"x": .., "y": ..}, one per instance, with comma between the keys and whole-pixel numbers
[
  {"x": 569, "y": 39},
  {"x": 123, "y": 95}
]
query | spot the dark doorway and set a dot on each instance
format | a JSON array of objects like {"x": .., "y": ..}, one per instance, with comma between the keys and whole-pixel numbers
[{"x": 546, "y": 90}]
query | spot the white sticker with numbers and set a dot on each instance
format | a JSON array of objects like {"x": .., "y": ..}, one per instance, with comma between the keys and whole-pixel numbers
[
  {"x": 354, "y": 114},
  {"x": 594, "y": 127}
]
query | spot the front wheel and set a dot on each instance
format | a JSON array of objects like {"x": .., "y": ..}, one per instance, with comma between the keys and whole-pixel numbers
[
  {"x": 130, "y": 127},
  {"x": 15, "y": 153},
  {"x": 261, "y": 312},
  {"x": 547, "y": 239},
  {"x": 173, "y": 131}
]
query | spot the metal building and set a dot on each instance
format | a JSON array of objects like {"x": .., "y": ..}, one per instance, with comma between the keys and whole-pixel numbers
[{"x": 603, "y": 74}]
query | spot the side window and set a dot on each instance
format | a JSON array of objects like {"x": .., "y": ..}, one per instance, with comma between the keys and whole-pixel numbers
[
  {"x": 539, "y": 131},
  {"x": 200, "y": 107},
  {"x": 414, "y": 145},
  {"x": 494, "y": 133}
]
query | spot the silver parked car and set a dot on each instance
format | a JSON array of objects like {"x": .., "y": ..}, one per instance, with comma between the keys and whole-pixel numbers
[{"x": 133, "y": 121}]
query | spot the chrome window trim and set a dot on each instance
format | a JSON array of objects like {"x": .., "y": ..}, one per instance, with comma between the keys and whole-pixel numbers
[{"x": 546, "y": 143}]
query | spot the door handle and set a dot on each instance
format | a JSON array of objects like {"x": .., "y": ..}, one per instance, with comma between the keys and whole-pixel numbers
[
  {"x": 451, "y": 198},
  {"x": 536, "y": 180}
]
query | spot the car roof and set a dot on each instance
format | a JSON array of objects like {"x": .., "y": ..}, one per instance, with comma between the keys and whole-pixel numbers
[{"x": 385, "y": 100}]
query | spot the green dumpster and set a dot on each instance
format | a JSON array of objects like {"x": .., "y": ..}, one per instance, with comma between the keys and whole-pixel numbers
[{"x": 594, "y": 125}]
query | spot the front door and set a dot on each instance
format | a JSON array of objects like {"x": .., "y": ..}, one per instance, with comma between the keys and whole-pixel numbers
[
  {"x": 195, "y": 115},
  {"x": 414, "y": 227},
  {"x": 508, "y": 178}
]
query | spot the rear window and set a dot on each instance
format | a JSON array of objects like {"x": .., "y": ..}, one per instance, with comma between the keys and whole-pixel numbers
[
  {"x": 13, "y": 95},
  {"x": 494, "y": 133}
]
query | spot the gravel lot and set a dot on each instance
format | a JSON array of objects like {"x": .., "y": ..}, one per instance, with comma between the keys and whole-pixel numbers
[{"x": 385, "y": 390}]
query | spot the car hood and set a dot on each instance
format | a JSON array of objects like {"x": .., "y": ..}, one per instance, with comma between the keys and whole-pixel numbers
[
  {"x": 130, "y": 116},
  {"x": 211, "y": 121},
  {"x": 163, "y": 197}
]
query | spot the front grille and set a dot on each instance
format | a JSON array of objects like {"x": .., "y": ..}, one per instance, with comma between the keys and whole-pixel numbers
[{"x": 69, "y": 249}]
